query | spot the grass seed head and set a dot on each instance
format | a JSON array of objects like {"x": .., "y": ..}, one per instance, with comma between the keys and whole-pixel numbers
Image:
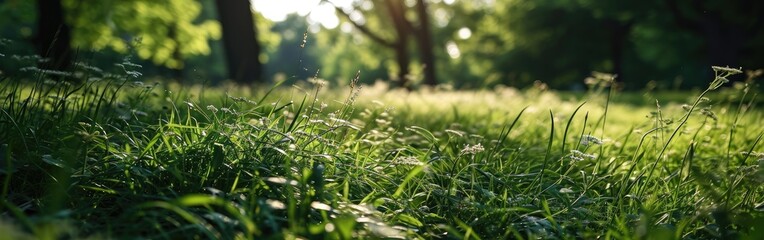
[
  {"x": 708, "y": 113},
  {"x": 587, "y": 140},
  {"x": 576, "y": 156},
  {"x": 212, "y": 109},
  {"x": 727, "y": 70},
  {"x": 472, "y": 149}
]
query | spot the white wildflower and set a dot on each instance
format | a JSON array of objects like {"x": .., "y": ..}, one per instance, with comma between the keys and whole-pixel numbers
[
  {"x": 474, "y": 149},
  {"x": 589, "y": 139},
  {"x": 408, "y": 160},
  {"x": 576, "y": 156},
  {"x": 213, "y": 109}
]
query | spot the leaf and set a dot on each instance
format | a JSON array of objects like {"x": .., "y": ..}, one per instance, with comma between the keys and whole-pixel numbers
[
  {"x": 344, "y": 225},
  {"x": 408, "y": 219},
  {"x": 53, "y": 161},
  {"x": 424, "y": 133},
  {"x": 469, "y": 234},
  {"x": 230, "y": 207},
  {"x": 408, "y": 178}
]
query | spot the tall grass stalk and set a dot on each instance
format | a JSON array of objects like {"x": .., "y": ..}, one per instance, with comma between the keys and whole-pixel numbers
[{"x": 721, "y": 74}]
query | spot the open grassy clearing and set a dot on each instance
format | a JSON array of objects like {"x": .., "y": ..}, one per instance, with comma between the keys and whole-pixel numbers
[{"x": 112, "y": 157}]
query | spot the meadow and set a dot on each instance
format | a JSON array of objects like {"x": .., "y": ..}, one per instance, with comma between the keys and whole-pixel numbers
[{"x": 105, "y": 154}]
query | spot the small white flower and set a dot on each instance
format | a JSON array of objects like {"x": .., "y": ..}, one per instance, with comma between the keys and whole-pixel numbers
[
  {"x": 474, "y": 149},
  {"x": 589, "y": 139},
  {"x": 408, "y": 160},
  {"x": 213, "y": 109},
  {"x": 576, "y": 156}
]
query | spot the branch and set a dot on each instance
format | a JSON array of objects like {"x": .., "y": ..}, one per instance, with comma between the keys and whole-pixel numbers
[{"x": 363, "y": 28}]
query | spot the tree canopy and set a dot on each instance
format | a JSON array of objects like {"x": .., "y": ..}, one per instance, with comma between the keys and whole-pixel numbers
[
  {"x": 464, "y": 43},
  {"x": 168, "y": 30}
]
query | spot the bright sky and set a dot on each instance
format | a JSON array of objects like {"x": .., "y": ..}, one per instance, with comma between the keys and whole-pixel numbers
[{"x": 317, "y": 12}]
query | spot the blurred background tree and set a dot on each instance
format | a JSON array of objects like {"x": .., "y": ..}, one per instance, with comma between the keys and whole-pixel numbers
[
  {"x": 169, "y": 31},
  {"x": 242, "y": 49},
  {"x": 54, "y": 35},
  {"x": 395, "y": 13},
  {"x": 468, "y": 44}
]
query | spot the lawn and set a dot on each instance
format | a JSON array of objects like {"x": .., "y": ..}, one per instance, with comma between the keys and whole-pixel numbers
[{"x": 113, "y": 157}]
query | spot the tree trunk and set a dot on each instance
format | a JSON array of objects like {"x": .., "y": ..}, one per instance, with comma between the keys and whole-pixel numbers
[
  {"x": 176, "y": 71},
  {"x": 53, "y": 35},
  {"x": 240, "y": 40},
  {"x": 424, "y": 41},
  {"x": 396, "y": 10},
  {"x": 618, "y": 37},
  {"x": 402, "y": 58}
]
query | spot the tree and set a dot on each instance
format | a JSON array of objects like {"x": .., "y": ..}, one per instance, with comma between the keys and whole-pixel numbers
[
  {"x": 519, "y": 42},
  {"x": 405, "y": 30},
  {"x": 726, "y": 26},
  {"x": 240, "y": 40},
  {"x": 617, "y": 20},
  {"x": 559, "y": 42},
  {"x": 424, "y": 41},
  {"x": 169, "y": 30},
  {"x": 340, "y": 53},
  {"x": 53, "y": 35},
  {"x": 290, "y": 56}
]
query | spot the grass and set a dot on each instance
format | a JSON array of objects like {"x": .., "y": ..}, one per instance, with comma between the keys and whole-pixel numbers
[{"x": 113, "y": 157}]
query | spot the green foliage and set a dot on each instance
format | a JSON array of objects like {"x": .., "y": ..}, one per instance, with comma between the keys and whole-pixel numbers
[
  {"x": 342, "y": 62},
  {"x": 17, "y": 22},
  {"x": 269, "y": 40},
  {"x": 168, "y": 30},
  {"x": 516, "y": 42}
]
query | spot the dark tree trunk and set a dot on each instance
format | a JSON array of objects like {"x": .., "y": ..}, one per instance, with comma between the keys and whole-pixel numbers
[
  {"x": 240, "y": 40},
  {"x": 396, "y": 10},
  {"x": 53, "y": 35},
  {"x": 402, "y": 58},
  {"x": 176, "y": 71},
  {"x": 618, "y": 36},
  {"x": 424, "y": 41}
]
